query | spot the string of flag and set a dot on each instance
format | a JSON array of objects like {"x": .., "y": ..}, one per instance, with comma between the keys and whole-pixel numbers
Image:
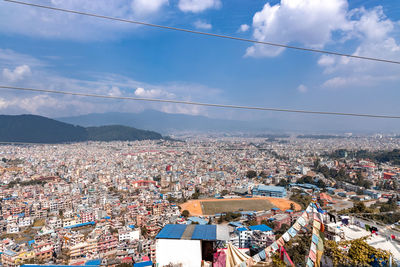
[{"x": 313, "y": 212}]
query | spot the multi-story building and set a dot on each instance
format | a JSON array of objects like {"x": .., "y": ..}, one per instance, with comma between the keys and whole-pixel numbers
[{"x": 269, "y": 191}]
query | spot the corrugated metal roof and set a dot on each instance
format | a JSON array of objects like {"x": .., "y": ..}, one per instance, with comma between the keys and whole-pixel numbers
[
  {"x": 39, "y": 265},
  {"x": 143, "y": 264},
  {"x": 261, "y": 227},
  {"x": 205, "y": 232},
  {"x": 172, "y": 231},
  {"x": 193, "y": 232},
  {"x": 96, "y": 262},
  {"x": 272, "y": 188}
]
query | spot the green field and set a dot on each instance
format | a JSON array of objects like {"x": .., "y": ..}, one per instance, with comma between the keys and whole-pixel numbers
[{"x": 220, "y": 206}]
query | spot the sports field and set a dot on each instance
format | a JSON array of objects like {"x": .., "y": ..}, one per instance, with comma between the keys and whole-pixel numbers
[{"x": 212, "y": 206}]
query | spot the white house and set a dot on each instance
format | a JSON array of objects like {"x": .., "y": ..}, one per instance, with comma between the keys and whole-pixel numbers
[
  {"x": 188, "y": 245},
  {"x": 129, "y": 235},
  {"x": 12, "y": 228}
]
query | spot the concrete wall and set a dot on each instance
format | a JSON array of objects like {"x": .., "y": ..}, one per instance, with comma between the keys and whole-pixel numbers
[{"x": 185, "y": 252}]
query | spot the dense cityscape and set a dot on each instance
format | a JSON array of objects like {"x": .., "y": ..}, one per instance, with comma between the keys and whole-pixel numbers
[{"x": 108, "y": 202}]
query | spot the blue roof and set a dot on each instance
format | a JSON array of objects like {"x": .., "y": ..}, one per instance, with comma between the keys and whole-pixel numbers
[
  {"x": 289, "y": 211},
  {"x": 38, "y": 265},
  {"x": 262, "y": 187},
  {"x": 172, "y": 231},
  {"x": 80, "y": 224},
  {"x": 247, "y": 213},
  {"x": 305, "y": 185},
  {"x": 205, "y": 232},
  {"x": 275, "y": 209},
  {"x": 143, "y": 264},
  {"x": 132, "y": 226},
  {"x": 236, "y": 224},
  {"x": 242, "y": 229},
  {"x": 261, "y": 227},
  {"x": 93, "y": 262},
  {"x": 10, "y": 253},
  {"x": 194, "y": 232}
]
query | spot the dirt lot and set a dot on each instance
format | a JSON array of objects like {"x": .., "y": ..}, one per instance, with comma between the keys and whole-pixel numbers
[{"x": 212, "y": 206}]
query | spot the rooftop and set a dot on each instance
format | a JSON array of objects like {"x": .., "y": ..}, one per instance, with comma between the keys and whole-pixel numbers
[
  {"x": 260, "y": 227},
  {"x": 262, "y": 187},
  {"x": 194, "y": 232}
]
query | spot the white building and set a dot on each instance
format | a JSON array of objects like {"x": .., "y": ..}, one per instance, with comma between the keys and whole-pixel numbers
[
  {"x": 188, "y": 245},
  {"x": 24, "y": 222},
  {"x": 244, "y": 237},
  {"x": 129, "y": 235},
  {"x": 12, "y": 228}
]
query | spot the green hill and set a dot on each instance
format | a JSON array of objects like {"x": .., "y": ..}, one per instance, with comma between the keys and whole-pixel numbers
[
  {"x": 38, "y": 129},
  {"x": 118, "y": 132}
]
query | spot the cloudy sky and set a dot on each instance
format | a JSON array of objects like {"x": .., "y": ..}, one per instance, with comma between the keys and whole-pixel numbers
[{"x": 52, "y": 50}]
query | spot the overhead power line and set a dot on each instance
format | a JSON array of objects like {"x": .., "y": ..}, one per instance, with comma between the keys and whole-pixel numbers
[
  {"x": 205, "y": 33},
  {"x": 200, "y": 103}
]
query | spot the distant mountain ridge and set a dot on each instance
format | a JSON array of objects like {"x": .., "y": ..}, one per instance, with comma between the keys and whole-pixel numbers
[
  {"x": 38, "y": 129},
  {"x": 162, "y": 122}
]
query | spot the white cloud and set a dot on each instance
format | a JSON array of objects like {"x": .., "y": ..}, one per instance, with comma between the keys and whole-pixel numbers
[
  {"x": 309, "y": 22},
  {"x": 10, "y": 58},
  {"x": 326, "y": 60},
  {"x": 152, "y": 93},
  {"x": 319, "y": 23},
  {"x": 115, "y": 91},
  {"x": 302, "y": 88},
  {"x": 144, "y": 7},
  {"x": 196, "y": 6},
  {"x": 244, "y": 28},
  {"x": 53, "y": 105},
  {"x": 3, "y": 103},
  {"x": 202, "y": 25},
  {"x": 17, "y": 74},
  {"x": 36, "y": 22},
  {"x": 375, "y": 35}
]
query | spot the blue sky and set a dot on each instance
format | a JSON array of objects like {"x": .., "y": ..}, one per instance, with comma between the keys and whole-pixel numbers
[{"x": 48, "y": 49}]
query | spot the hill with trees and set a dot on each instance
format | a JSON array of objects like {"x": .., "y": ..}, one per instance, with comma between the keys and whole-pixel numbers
[{"x": 38, "y": 129}]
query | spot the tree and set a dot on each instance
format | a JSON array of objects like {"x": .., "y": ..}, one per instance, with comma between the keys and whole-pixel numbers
[
  {"x": 270, "y": 224},
  {"x": 263, "y": 174},
  {"x": 317, "y": 161},
  {"x": 359, "y": 207},
  {"x": 292, "y": 206},
  {"x": 360, "y": 253},
  {"x": 282, "y": 182},
  {"x": 282, "y": 230},
  {"x": 143, "y": 230},
  {"x": 251, "y": 174},
  {"x": 185, "y": 213},
  {"x": 224, "y": 192},
  {"x": 252, "y": 222}
]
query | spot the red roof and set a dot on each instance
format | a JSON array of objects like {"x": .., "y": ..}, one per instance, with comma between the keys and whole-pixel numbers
[
  {"x": 143, "y": 181},
  {"x": 389, "y": 173},
  {"x": 324, "y": 196},
  {"x": 127, "y": 259},
  {"x": 78, "y": 263}
]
